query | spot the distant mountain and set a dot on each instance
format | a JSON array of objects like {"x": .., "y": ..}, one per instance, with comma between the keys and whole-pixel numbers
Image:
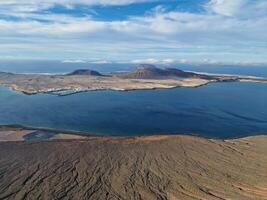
[
  {"x": 5, "y": 73},
  {"x": 152, "y": 72},
  {"x": 87, "y": 72}
]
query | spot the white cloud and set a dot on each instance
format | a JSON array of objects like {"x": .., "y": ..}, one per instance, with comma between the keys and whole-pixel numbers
[
  {"x": 34, "y": 5},
  {"x": 226, "y": 7},
  {"x": 159, "y": 25},
  {"x": 101, "y": 62},
  {"x": 232, "y": 28},
  {"x": 242, "y": 8},
  {"x": 153, "y": 61},
  {"x": 73, "y": 61},
  {"x": 146, "y": 61},
  {"x": 168, "y": 61}
]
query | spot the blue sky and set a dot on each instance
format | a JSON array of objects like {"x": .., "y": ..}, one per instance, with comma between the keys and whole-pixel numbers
[{"x": 152, "y": 31}]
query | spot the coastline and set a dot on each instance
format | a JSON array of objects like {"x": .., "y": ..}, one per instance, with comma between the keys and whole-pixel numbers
[
  {"x": 20, "y": 132},
  {"x": 66, "y": 92},
  {"x": 70, "y": 91},
  {"x": 142, "y": 78}
]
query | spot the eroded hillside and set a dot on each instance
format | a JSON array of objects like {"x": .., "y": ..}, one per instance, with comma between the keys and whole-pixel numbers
[{"x": 155, "y": 167}]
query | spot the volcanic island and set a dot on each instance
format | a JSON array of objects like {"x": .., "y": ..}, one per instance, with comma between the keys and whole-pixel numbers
[{"x": 143, "y": 77}]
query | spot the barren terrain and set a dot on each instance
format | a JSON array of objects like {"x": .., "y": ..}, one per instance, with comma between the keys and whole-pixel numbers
[
  {"x": 152, "y": 167},
  {"x": 86, "y": 80}
]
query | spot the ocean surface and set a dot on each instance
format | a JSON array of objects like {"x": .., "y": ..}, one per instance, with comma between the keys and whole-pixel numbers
[{"x": 219, "y": 110}]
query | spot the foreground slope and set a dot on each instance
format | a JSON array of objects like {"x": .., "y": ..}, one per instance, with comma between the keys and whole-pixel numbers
[{"x": 155, "y": 167}]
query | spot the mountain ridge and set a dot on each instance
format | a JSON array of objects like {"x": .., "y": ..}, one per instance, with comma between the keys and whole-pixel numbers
[
  {"x": 87, "y": 72},
  {"x": 152, "y": 72}
]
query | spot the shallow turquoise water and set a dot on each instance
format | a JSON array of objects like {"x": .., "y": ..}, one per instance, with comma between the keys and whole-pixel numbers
[{"x": 220, "y": 110}]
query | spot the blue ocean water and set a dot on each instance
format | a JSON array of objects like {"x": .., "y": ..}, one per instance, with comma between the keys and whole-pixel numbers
[{"x": 219, "y": 110}]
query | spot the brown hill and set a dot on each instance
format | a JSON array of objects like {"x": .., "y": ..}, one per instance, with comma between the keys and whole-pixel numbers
[
  {"x": 152, "y": 72},
  {"x": 156, "y": 167},
  {"x": 86, "y": 72}
]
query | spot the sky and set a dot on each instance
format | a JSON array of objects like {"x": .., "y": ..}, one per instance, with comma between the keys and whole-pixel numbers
[{"x": 136, "y": 31}]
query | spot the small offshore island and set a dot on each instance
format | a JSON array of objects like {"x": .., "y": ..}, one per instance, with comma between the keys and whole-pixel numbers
[
  {"x": 79, "y": 166},
  {"x": 143, "y": 77}
]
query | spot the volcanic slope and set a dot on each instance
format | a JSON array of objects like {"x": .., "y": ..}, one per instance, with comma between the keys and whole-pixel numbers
[{"x": 155, "y": 167}]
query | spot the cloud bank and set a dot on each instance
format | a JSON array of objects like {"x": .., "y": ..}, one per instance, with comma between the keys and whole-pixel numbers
[{"x": 226, "y": 30}]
